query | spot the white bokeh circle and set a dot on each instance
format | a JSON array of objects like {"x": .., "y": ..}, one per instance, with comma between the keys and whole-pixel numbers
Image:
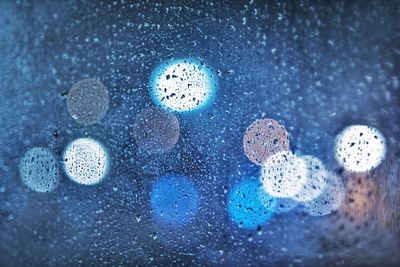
[
  {"x": 317, "y": 177},
  {"x": 329, "y": 200},
  {"x": 360, "y": 148},
  {"x": 283, "y": 174},
  {"x": 182, "y": 85},
  {"x": 86, "y": 161}
]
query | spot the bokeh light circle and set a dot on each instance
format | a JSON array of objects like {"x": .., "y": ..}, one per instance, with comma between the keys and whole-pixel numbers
[
  {"x": 316, "y": 179},
  {"x": 156, "y": 131},
  {"x": 284, "y": 174},
  {"x": 329, "y": 200},
  {"x": 249, "y": 205},
  {"x": 38, "y": 170},
  {"x": 86, "y": 161},
  {"x": 174, "y": 200},
  {"x": 182, "y": 85},
  {"x": 88, "y": 101},
  {"x": 264, "y": 138},
  {"x": 360, "y": 148},
  {"x": 361, "y": 197}
]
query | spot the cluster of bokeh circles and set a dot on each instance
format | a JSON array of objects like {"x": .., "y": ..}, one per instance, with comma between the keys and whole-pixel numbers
[
  {"x": 286, "y": 179},
  {"x": 84, "y": 160},
  {"x": 300, "y": 180}
]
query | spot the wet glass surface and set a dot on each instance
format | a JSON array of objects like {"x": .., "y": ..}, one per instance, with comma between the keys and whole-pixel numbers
[{"x": 199, "y": 133}]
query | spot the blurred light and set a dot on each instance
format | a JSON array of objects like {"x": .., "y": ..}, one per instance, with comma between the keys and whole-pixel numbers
[
  {"x": 182, "y": 85},
  {"x": 86, "y": 161},
  {"x": 38, "y": 170},
  {"x": 360, "y": 148},
  {"x": 317, "y": 177},
  {"x": 329, "y": 200},
  {"x": 156, "y": 131},
  {"x": 284, "y": 174},
  {"x": 280, "y": 204},
  {"x": 87, "y": 101},
  {"x": 174, "y": 200},
  {"x": 264, "y": 138},
  {"x": 249, "y": 205},
  {"x": 361, "y": 197},
  {"x": 285, "y": 204}
]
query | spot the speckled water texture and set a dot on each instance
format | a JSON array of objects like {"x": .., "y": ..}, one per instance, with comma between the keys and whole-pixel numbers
[{"x": 313, "y": 67}]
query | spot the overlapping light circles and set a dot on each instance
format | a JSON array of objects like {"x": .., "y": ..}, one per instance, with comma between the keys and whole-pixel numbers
[
  {"x": 264, "y": 138},
  {"x": 284, "y": 174},
  {"x": 249, "y": 205},
  {"x": 290, "y": 178},
  {"x": 329, "y": 200},
  {"x": 86, "y": 161},
  {"x": 183, "y": 85},
  {"x": 360, "y": 148},
  {"x": 316, "y": 180}
]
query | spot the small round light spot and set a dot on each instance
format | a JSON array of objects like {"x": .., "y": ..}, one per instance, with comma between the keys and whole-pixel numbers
[
  {"x": 317, "y": 177},
  {"x": 87, "y": 101},
  {"x": 284, "y": 174},
  {"x": 86, "y": 161},
  {"x": 156, "y": 131},
  {"x": 174, "y": 200},
  {"x": 360, "y": 148},
  {"x": 264, "y": 138},
  {"x": 38, "y": 170},
  {"x": 249, "y": 205},
  {"x": 182, "y": 85}
]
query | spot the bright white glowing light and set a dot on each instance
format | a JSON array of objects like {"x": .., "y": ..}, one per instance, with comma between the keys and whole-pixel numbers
[
  {"x": 85, "y": 161},
  {"x": 284, "y": 174},
  {"x": 360, "y": 148},
  {"x": 182, "y": 85},
  {"x": 38, "y": 170},
  {"x": 329, "y": 200},
  {"x": 317, "y": 177}
]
